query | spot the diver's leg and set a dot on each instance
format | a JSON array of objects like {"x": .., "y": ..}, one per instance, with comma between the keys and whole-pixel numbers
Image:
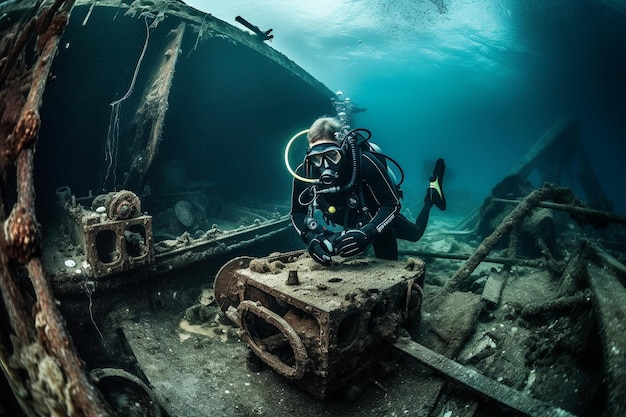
[
  {"x": 434, "y": 193},
  {"x": 412, "y": 231},
  {"x": 434, "y": 196},
  {"x": 385, "y": 245},
  {"x": 406, "y": 229},
  {"x": 422, "y": 220}
]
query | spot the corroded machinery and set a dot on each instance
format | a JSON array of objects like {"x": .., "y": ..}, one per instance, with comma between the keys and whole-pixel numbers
[
  {"x": 320, "y": 327},
  {"x": 113, "y": 232}
]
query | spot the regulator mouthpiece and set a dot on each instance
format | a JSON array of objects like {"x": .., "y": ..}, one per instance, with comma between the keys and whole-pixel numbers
[{"x": 328, "y": 177}]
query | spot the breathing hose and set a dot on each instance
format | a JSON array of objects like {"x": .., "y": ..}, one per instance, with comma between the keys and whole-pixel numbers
[{"x": 291, "y": 171}]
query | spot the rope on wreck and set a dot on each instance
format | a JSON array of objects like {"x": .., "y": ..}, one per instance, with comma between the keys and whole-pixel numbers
[{"x": 44, "y": 361}]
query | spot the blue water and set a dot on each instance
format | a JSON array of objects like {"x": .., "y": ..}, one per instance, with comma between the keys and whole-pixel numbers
[{"x": 474, "y": 81}]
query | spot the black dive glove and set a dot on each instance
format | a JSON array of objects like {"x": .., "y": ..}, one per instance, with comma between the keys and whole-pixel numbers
[
  {"x": 352, "y": 242},
  {"x": 319, "y": 250}
]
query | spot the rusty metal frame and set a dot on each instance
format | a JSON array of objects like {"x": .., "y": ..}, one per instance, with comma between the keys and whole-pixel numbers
[{"x": 124, "y": 260}]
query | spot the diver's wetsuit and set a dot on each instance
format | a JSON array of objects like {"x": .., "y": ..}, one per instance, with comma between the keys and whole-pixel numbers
[{"x": 381, "y": 199}]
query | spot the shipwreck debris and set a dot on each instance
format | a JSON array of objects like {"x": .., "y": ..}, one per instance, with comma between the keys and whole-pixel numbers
[
  {"x": 263, "y": 35},
  {"x": 113, "y": 232},
  {"x": 485, "y": 386},
  {"x": 553, "y": 157},
  {"x": 130, "y": 395},
  {"x": 112, "y": 241},
  {"x": 607, "y": 284},
  {"x": 331, "y": 326},
  {"x": 511, "y": 221}
]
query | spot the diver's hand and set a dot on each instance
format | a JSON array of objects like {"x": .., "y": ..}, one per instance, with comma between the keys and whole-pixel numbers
[
  {"x": 351, "y": 243},
  {"x": 320, "y": 251}
]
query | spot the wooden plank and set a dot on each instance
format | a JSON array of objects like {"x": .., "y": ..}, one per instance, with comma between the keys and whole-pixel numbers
[{"x": 487, "y": 387}]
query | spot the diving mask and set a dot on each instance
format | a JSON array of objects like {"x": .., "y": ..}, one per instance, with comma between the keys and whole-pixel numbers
[
  {"x": 324, "y": 152},
  {"x": 326, "y": 157}
]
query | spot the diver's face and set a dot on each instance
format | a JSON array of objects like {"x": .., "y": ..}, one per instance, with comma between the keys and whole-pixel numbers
[{"x": 326, "y": 158}]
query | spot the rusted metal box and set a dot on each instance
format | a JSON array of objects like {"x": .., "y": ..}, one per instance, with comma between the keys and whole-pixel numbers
[
  {"x": 321, "y": 327},
  {"x": 113, "y": 232}
]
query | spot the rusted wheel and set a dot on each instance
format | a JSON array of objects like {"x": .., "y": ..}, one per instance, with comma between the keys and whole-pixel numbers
[
  {"x": 124, "y": 205},
  {"x": 225, "y": 285},
  {"x": 126, "y": 393},
  {"x": 300, "y": 355}
]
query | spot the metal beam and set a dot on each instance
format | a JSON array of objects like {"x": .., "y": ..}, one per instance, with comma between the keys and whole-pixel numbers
[{"x": 485, "y": 386}]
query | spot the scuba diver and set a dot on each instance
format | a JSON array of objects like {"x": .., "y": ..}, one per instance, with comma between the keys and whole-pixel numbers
[{"x": 345, "y": 180}]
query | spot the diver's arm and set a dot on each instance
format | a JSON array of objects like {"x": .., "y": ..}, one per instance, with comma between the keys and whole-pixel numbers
[{"x": 378, "y": 184}]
